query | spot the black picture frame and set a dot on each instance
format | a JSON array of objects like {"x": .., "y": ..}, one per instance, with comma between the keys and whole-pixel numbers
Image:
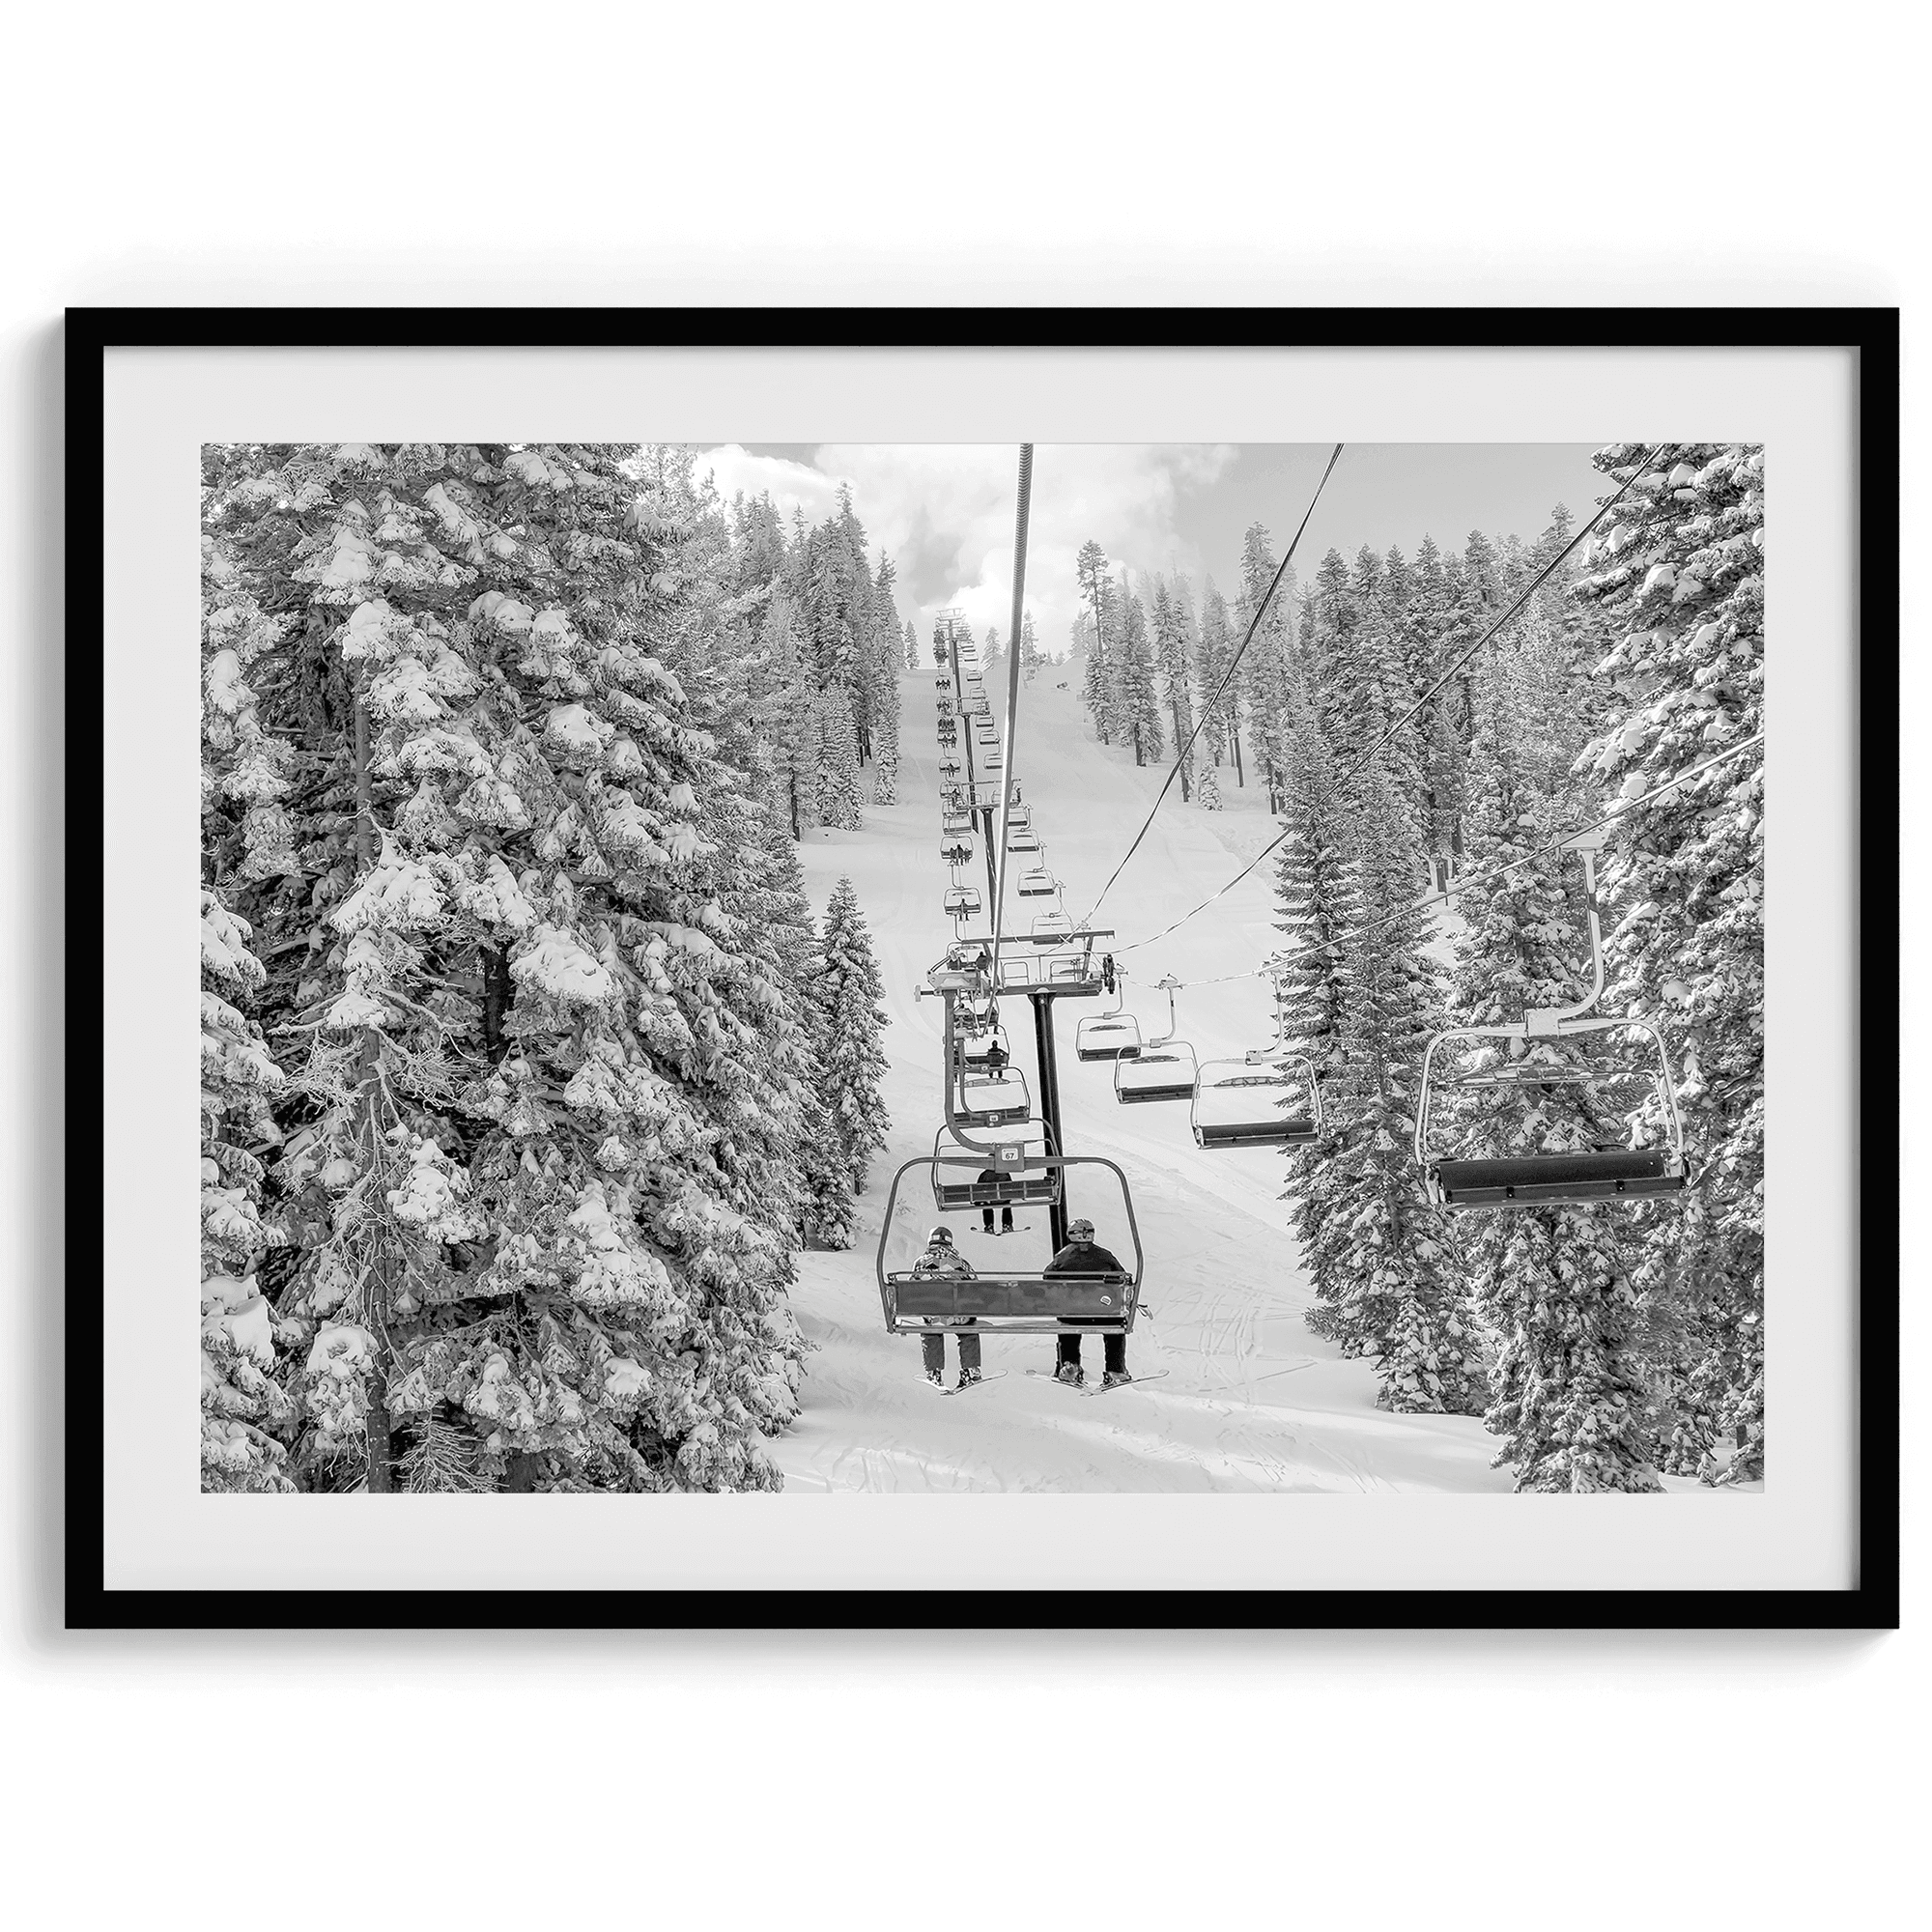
[{"x": 1871, "y": 333}]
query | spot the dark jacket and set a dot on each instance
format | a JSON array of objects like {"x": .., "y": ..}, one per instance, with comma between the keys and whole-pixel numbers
[{"x": 1095, "y": 1260}]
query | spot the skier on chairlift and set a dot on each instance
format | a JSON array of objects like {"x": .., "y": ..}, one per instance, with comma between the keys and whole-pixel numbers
[
  {"x": 1083, "y": 1256},
  {"x": 942, "y": 1257},
  {"x": 996, "y": 1058}
]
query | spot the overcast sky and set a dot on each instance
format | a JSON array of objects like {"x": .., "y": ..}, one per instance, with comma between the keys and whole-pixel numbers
[{"x": 945, "y": 513}]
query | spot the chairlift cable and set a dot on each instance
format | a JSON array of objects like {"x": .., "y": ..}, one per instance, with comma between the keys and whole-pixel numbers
[
  {"x": 1557, "y": 844},
  {"x": 1227, "y": 677},
  {"x": 1010, "y": 766},
  {"x": 1536, "y": 583}
]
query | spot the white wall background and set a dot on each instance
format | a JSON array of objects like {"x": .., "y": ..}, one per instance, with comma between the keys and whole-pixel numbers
[{"x": 211, "y": 153}]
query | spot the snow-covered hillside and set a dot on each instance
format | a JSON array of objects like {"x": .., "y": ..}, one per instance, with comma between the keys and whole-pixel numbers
[{"x": 1250, "y": 1400}]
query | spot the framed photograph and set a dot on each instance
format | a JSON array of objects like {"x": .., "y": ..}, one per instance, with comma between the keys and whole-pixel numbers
[{"x": 1185, "y": 968}]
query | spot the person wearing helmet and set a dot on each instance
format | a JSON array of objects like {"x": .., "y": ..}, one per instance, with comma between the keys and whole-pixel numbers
[
  {"x": 1082, "y": 1254},
  {"x": 942, "y": 1257}
]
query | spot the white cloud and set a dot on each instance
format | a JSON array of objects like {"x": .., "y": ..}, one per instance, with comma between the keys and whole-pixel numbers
[{"x": 944, "y": 515}]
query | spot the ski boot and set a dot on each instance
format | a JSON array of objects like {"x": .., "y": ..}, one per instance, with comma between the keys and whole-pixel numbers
[
  {"x": 1069, "y": 1372},
  {"x": 1114, "y": 1378}
]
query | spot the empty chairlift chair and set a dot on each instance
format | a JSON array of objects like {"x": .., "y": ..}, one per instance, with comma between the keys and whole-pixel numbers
[
  {"x": 1038, "y": 883},
  {"x": 984, "y": 1099},
  {"x": 1265, "y": 1099},
  {"x": 1162, "y": 1071},
  {"x": 1634, "y": 1086},
  {"x": 1108, "y": 1036}
]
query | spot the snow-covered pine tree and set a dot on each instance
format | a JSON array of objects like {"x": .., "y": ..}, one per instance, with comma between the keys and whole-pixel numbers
[
  {"x": 790, "y": 715},
  {"x": 1680, "y": 561},
  {"x": 838, "y": 787},
  {"x": 1360, "y": 1003},
  {"x": 854, "y": 1056},
  {"x": 244, "y": 1406},
  {"x": 885, "y": 699},
  {"x": 1173, "y": 647},
  {"x": 1552, "y": 1284},
  {"x": 1265, "y": 675},
  {"x": 1097, "y": 675},
  {"x": 539, "y": 1178},
  {"x": 911, "y": 646},
  {"x": 1218, "y": 643},
  {"x": 1030, "y": 657},
  {"x": 1137, "y": 694}
]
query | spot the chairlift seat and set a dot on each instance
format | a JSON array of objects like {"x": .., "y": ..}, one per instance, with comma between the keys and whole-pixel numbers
[
  {"x": 1291, "y": 1130},
  {"x": 1533, "y": 1181},
  {"x": 1159, "y": 1073},
  {"x": 1015, "y": 1303},
  {"x": 1108, "y": 1036}
]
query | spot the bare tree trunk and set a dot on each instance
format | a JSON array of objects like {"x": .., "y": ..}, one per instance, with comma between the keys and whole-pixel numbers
[{"x": 497, "y": 995}]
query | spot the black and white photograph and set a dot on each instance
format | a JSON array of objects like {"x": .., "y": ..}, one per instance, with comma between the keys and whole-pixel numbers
[
  {"x": 961, "y": 966},
  {"x": 711, "y": 952}
]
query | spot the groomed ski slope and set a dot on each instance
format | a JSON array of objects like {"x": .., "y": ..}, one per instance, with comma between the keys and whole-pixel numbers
[{"x": 1251, "y": 1400}]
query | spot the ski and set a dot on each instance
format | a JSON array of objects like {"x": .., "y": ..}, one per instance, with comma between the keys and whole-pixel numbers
[
  {"x": 1114, "y": 1388},
  {"x": 990, "y": 1375}
]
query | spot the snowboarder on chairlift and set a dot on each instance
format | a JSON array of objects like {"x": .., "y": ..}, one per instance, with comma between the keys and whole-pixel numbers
[
  {"x": 993, "y": 1177},
  {"x": 942, "y": 1257},
  {"x": 996, "y": 1058},
  {"x": 1083, "y": 1256}
]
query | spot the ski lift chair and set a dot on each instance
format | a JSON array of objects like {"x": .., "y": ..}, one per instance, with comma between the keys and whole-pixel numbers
[
  {"x": 1019, "y": 818},
  {"x": 1567, "y": 1176},
  {"x": 993, "y": 761},
  {"x": 1259, "y": 1100},
  {"x": 987, "y": 1099},
  {"x": 1162, "y": 1071},
  {"x": 948, "y": 768},
  {"x": 1021, "y": 838},
  {"x": 1012, "y": 1301},
  {"x": 1108, "y": 1036},
  {"x": 957, "y": 823},
  {"x": 962, "y": 902},
  {"x": 1038, "y": 883},
  {"x": 958, "y": 852},
  {"x": 1050, "y": 928},
  {"x": 1019, "y": 1154}
]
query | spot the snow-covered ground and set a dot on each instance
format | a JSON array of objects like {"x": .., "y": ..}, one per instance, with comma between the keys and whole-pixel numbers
[{"x": 1250, "y": 1399}]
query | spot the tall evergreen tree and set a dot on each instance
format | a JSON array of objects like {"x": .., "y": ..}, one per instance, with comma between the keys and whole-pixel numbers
[
  {"x": 1552, "y": 1284},
  {"x": 1096, "y": 678},
  {"x": 1218, "y": 643},
  {"x": 1680, "y": 560},
  {"x": 854, "y": 1064},
  {"x": 885, "y": 687},
  {"x": 911, "y": 646},
  {"x": 1136, "y": 693},
  {"x": 839, "y": 751},
  {"x": 1172, "y": 645},
  {"x": 539, "y": 1167}
]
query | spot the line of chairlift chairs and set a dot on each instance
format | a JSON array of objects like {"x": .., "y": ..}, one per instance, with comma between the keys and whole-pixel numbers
[
  {"x": 1269, "y": 1097},
  {"x": 1272, "y": 1096}
]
